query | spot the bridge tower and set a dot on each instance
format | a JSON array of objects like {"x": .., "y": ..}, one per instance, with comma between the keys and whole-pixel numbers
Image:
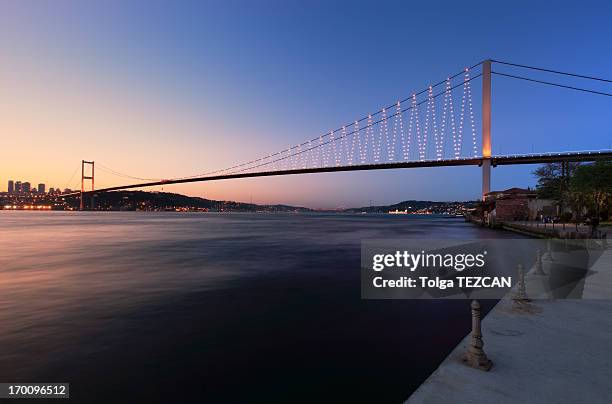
[
  {"x": 87, "y": 177},
  {"x": 486, "y": 127}
]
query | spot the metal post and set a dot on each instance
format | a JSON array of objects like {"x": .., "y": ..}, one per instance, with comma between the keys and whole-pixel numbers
[
  {"x": 475, "y": 355},
  {"x": 486, "y": 127}
]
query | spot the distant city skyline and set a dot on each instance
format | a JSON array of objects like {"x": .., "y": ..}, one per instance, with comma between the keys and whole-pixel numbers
[
  {"x": 18, "y": 186},
  {"x": 168, "y": 90}
]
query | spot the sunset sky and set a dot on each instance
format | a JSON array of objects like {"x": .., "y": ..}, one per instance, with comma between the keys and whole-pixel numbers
[{"x": 162, "y": 89}]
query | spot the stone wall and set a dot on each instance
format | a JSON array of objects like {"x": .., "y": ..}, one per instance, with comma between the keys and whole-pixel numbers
[{"x": 511, "y": 209}]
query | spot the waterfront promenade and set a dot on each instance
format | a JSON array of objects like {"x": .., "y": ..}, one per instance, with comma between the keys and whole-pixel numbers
[
  {"x": 557, "y": 352},
  {"x": 558, "y": 230}
]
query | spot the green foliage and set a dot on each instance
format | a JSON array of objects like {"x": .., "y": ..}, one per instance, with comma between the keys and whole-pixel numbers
[
  {"x": 566, "y": 216},
  {"x": 549, "y": 181},
  {"x": 552, "y": 184},
  {"x": 586, "y": 188},
  {"x": 591, "y": 188}
]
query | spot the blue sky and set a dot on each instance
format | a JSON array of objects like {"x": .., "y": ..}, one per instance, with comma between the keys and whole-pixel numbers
[{"x": 162, "y": 89}]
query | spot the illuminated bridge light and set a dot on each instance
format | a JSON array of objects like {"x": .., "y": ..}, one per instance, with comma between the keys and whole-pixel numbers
[{"x": 324, "y": 151}]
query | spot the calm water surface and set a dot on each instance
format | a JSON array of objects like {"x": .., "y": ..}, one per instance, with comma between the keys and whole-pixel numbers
[{"x": 164, "y": 307}]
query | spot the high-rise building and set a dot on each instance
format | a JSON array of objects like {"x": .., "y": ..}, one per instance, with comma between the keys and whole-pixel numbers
[
  {"x": 11, "y": 187},
  {"x": 25, "y": 187},
  {"x": 41, "y": 188},
  {"x": 18, "y": 188},
  {"x": 51, "y": 190}
]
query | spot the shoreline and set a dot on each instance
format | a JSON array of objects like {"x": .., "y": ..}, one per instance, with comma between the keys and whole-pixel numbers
[
  {"x": 544, "y": 230},
  {"x": 527, "y": 344}
]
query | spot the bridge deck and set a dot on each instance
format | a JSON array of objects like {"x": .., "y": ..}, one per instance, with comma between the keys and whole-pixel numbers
[{"x": 475, "y": 161}]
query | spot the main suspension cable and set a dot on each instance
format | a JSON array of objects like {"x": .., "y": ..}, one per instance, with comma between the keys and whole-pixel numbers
[
  {"x": 586, "y": 90},
  {"x": 582, "y": 76}
]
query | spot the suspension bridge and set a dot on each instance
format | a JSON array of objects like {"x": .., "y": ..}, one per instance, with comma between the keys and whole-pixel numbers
[{"x": 433, "y": 127}]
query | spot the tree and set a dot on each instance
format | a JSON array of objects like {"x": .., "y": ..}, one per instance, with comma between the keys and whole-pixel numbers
[
  {"x": 592, "y": 183},
  {"x": 549, "y": 181},
  {"x": 577, "y": 203},
  {"x": 553, "y": 179}
]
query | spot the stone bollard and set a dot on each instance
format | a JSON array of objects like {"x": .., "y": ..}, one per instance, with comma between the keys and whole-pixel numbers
[
  {"x": 475, "y": 355},
  {"x": 538, "y": 263},
  {"x": 521, "y": 292},
  {"x": 549, "y": 255}
]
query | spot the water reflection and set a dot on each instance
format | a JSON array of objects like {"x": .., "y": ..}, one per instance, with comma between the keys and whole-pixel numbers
[{"x": 128, "y": 306}]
